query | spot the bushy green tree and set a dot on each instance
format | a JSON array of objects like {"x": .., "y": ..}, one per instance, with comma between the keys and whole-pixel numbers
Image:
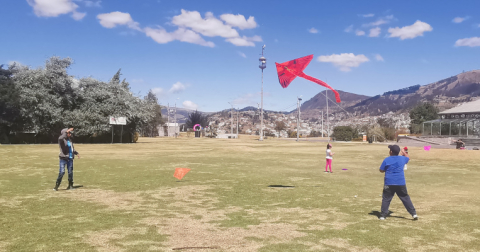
[
  {"x": 423, "y": 112},
  {"x": 196, "y": 118},
  {"x": 344, "y": 133},
  {"x": 10, "y": 117},
  {"x": 280, "y": 125},
  {"x": 420, "y": 114}
]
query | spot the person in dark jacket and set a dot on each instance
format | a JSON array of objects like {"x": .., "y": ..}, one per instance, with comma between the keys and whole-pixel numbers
[{"x": 67, "y": 154}]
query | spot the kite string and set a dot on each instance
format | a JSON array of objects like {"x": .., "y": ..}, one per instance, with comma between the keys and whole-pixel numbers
[
  {"x": 310, "y": 78},
  {"x": 335, "y": 103},
  {"x": 290, "y": 106}
]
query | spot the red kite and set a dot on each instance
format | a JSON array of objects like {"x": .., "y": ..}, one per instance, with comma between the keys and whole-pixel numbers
[
  {"x": 288, "y": 71},
  {"x": 180, "y": 172}
]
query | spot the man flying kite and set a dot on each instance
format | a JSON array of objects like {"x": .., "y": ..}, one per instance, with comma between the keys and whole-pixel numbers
[{"x": 288, "y": 71}]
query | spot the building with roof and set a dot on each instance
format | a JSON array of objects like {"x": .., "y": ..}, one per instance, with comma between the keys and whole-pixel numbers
[{"x": 462, "y": 121}]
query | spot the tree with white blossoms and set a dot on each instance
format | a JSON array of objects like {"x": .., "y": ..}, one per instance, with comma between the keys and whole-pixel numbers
[{"x": 51, "y": 100}]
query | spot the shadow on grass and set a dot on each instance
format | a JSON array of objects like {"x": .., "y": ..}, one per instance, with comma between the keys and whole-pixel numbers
[
  {"x": 74, "y": 187},
  {"x": 378, "y": 214},
  {"x": 281, "y": 186}
]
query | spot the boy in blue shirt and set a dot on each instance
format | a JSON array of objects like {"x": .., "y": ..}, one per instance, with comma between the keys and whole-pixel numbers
[{"x": 394, "y": 182}]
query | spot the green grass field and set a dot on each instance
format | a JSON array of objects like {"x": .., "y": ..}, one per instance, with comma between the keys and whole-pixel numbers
[{"x": 241, "y": 195}]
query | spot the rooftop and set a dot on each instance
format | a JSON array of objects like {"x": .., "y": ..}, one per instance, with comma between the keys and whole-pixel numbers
[{"x": 469, "y": 107}]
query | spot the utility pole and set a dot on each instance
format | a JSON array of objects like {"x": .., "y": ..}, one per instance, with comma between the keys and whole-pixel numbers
[
  {"x": 322, "y": 123},
  {"x": 175, "y": 119},
  {"x": 263, "y": 65},
  {"x": 298, "y": 116},
  {"x": 231, "y": 119},
  {"x": 328, "y": 123},
  {"x": 237, "y": 123},
  {"x": 168, "y": 119}
]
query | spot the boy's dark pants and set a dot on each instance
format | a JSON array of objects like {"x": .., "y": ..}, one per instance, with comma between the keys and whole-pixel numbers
[{"x": 401, "y": 191}]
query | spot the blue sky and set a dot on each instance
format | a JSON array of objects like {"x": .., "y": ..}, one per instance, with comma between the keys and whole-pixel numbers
[{"x": 204, "y": 54}]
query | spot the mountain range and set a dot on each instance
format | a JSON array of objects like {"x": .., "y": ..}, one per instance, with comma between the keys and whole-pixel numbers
[{"x": 444, "y": 94}]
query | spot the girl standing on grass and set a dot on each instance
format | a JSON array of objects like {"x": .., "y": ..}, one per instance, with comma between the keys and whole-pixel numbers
[{"x": 329, "y": 158}]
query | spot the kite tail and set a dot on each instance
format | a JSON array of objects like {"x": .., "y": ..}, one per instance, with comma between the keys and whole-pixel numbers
[{"x": 321, "y": 83}]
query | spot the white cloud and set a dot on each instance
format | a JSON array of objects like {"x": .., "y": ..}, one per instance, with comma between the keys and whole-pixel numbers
[
  {"x": 159, "y": 92},
  {"x": 410, "y": 32},
  {"x": 239, "y": 21},
  {"x": 113, "y": 19},
  {"x": 191, "y": 27},
  {"x": 242, "y": 54},
  {"x": 161, "y": 36},
  {"x": 349, "y": 29},
  {"x": 471, "y": 42},
  {"x": 380, "y": 21},
  {"x": 54, "y": 8},
  {"x": 458, "y": 20},
  {"x": 176, "y": 88},
  {"x": 367, "y": 15},
  {"x": 92, "y": 3},
  {"x": 247, "y": 99},
  {"x": 78, "y": 15},
  {"x": 379, "y": 57},
  {"x": 190, "y": 105},
  {"x": 375, "y": 32},
  {"x": 244, "y": 41},
  {"x": 313, "y": 30},
  {"x": 210, "y": 26},
  {"x": 344, "y": 61},
  {"x": 359, "y": 33}
]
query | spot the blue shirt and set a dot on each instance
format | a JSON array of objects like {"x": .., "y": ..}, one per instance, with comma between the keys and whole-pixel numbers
[
  {"x": 393, "y": 167},
  {"x": 70, "y": 152}
]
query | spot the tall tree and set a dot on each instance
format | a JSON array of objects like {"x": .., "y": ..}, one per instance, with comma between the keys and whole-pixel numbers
[
  {"x": 152, "y": 124},
  {"x": 10, "y": 116},
  {"x": 196, "y": 118},
  {"x": 423, "y": 112}
]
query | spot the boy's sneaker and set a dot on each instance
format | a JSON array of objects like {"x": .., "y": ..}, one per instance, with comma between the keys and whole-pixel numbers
[
  {"x": 415, "y": 217},
  {"x": 381, "y": 218}
]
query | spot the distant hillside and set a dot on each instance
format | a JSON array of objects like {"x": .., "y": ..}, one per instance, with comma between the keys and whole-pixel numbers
[
  {"x": 445, "y": 94},
  {"x": 312, "y": 107}
]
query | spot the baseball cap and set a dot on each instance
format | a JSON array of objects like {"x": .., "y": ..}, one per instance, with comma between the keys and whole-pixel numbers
[
  {"x": 394, "y": 148},
  {"x": 405, "y": 148}
]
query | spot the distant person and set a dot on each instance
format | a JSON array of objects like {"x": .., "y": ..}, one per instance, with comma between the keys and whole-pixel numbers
[
  {"x": 405, "y": 149},
  {"x": 329, "y": 158},
  {"x": 394, "y": 182},
  {"x": 67, "y": 154},
  {"x": 460, "y": 144}
]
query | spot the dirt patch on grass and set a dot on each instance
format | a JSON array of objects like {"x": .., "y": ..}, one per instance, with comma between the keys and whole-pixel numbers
[
  {"x": 126, "y": 201},
  {"x": 105, "y": 240},
  {"x": 3, "y": 245},
  {"x": 342, "y": 244},
  {"x": 11, "y": 203},
  {"x": 185, "y": 231}
]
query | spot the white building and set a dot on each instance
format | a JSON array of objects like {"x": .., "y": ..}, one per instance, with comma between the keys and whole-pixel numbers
[{"x": 168, "y": 130}]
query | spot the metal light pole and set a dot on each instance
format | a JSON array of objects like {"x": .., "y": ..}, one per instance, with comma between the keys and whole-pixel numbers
[{"x": 263, "y": 65}]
